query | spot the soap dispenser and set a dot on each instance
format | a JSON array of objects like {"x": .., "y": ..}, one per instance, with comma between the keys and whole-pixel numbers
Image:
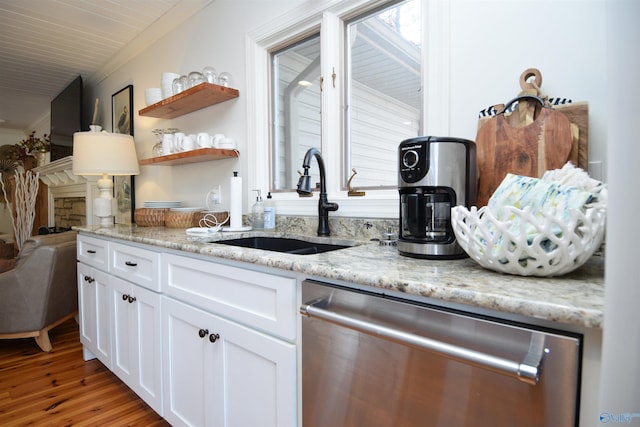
[
  {"x": 257, "y": 213},
  {"x": 269, "y": 213}
]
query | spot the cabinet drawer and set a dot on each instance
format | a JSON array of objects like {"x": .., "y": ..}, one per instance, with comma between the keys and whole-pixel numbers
[
  {"x": 259, "y": 300},
  {"x": 137, "y": 265},
  {"x": 93, "y": 252}
]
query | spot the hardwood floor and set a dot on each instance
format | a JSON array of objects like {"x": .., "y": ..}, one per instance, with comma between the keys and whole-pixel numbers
[{"x": 60, "y": 389}]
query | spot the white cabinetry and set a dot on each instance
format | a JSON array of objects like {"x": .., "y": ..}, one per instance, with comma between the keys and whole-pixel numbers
[
  {"x": 219, "y": 373},
  {"x": 93, "y": 299},
  {"x": 220, "y": 370},
  {"x": 120, "y": 313},
  {"x": 204, "y": 343},
  {"x": 94, "y": 308},
  {"x": 136, "y": 340},
  {"x": 263, "y": 301},
  {"x": 137, "y": 265}
]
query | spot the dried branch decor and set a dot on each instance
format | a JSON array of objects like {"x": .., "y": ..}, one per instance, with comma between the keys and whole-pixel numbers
[{"x": 26, "y": 192}]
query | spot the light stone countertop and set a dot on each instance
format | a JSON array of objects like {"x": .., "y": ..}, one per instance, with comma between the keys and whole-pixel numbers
[{"x": 576, "y": 298}]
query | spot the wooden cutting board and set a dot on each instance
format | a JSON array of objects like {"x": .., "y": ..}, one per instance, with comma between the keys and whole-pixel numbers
[{"x": 544, "y": 144}]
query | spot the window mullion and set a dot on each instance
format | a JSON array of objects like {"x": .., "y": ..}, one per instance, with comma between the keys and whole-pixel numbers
[{"x": 331, "y": 35}]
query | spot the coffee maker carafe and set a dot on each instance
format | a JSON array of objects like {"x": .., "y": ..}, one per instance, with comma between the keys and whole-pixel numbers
[{"x": 434, "y": 175}]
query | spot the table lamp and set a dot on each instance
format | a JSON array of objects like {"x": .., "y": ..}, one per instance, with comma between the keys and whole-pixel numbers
[{"x": 104, "y": 154}]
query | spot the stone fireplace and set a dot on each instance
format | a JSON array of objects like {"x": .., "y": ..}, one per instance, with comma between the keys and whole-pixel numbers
[{"x": 69, "y": 197}]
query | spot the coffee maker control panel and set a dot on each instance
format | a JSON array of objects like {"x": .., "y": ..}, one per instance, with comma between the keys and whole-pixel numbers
[{"x": 414, "y": 161}]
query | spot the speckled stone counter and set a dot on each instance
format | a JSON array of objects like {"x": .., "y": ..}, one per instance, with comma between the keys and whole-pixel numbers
[{"x": 576, "y": 298}]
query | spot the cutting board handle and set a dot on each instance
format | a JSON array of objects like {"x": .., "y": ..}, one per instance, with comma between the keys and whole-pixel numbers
[{"x": 522, "y": 97}]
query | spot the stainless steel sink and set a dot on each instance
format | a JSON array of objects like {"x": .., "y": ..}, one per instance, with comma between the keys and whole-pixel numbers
[{"x": 282, "y": 244}]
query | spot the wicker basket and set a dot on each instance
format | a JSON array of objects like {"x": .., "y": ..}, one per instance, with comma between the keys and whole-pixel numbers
[
  {"x": 174, "y": 219},
  {"x": 150, "y": 217},
  {"x": 530, "y": 245}
]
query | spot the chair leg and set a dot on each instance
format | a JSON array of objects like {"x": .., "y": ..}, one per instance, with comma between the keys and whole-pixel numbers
[
  {"x": 41, "y": 336},
  {"x": 43, "y": 340}
]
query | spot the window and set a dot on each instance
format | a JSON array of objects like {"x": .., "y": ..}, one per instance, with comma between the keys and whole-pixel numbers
[
  {"x": 383, "y": 87},
  {"x": 296, "y": 109},
  {"x": 374, "y": 48},
  {"x": 382, "y": 93}
]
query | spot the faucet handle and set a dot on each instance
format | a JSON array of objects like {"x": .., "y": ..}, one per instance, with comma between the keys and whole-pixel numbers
[{"x": 352, "y": 191}]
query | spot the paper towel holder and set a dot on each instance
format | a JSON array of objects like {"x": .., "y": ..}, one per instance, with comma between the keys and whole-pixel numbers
[{"x": 235, "y": 208}]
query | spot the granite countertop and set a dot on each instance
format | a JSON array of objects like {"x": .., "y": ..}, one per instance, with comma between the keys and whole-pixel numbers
[{"x": 576, "y": 298}]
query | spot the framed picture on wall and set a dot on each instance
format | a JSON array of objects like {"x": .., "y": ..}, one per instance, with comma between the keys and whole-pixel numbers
[
  {"x": 122, "y": 111},
  {"x": 123, "y": 186}
]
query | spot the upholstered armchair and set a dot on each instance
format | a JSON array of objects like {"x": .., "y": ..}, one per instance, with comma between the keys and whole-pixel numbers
[{"x": 40, "y": 292}]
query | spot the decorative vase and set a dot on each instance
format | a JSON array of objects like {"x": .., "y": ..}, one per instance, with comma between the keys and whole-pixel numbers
[{"x": 41, "y": 158}]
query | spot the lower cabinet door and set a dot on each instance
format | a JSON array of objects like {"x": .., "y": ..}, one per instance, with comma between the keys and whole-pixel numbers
[
  {"x": 218, "y": 373},
  {"x": 94, "y": 313},
  {"x": 136, "y": 339}
]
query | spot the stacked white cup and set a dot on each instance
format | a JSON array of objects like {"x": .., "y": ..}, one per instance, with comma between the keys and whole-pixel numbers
[{"x": 167, "y": 83}]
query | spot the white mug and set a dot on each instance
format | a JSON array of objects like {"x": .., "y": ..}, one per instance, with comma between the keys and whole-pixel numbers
[
  {"x": 188, "y": 143},
  {"x": 177, "y": 141},
  {"x": 228, "y": 144},
  {"x": 167, "y": 143},
  {"x": 217, "y": 139},
  {"x": 204, "y": 140}
]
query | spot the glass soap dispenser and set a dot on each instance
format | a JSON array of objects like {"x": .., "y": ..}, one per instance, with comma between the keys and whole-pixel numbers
[{"x": 257, "y": 213}]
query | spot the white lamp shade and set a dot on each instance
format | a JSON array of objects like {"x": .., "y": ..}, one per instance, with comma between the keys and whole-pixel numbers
[{"x": 104, "y": 153}]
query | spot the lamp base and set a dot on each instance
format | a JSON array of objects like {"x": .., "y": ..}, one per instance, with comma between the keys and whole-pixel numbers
[{"x": 102, "y": 204}]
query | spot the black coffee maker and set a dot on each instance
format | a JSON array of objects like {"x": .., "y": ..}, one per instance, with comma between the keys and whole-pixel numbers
[{"x": 434, "y": 175}]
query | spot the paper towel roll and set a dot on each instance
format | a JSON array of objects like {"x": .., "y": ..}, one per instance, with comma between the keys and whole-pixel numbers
[{"x": 235, "y": 210}]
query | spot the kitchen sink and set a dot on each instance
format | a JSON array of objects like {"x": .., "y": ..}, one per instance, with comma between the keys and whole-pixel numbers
[{"x": 282, "y": 244}]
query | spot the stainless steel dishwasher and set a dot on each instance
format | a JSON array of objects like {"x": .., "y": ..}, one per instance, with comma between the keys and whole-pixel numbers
[{"x": 373, "y": 360}]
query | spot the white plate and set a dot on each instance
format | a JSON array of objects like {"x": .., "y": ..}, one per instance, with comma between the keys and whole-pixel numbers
[
  {"x": 162, "y": 202},
  {"x": 201, "y": 231},
  {"x": 158, "y": 204},
  {"x": 187, "y": 209},
  {"x": 229, "y": 229}
]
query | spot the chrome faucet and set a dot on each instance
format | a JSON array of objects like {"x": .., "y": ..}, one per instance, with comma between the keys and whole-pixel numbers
[{"x": 304, "y": 188}]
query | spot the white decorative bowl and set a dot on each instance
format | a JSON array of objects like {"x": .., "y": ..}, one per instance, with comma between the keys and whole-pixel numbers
[{"x": 544, "y": 244}]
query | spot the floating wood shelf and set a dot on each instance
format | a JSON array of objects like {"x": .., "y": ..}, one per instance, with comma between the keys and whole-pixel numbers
[
  {"x": 196, "y": 98},
  {"x": 191, "y": 156}
]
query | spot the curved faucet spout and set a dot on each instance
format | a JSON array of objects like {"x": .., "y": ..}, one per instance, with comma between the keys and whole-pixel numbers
[{"x": 304, "y": 188}]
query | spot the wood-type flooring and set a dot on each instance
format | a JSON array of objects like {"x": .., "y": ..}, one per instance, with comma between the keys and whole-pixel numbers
[{"x": 61, "y": 389}]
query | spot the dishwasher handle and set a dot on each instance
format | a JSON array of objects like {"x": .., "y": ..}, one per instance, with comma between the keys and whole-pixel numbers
[{"x": 528, "y": 370}]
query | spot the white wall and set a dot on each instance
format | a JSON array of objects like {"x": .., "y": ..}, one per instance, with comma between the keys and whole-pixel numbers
[
  {"x": 620, "y": 384},
  {"x": 491, "y": 43},
  {"x": 215, "y": 36},
  {"x": 494, "y": 41},
  {"x": 11, "y": 136},
  {"x": 482, "y": 48}
]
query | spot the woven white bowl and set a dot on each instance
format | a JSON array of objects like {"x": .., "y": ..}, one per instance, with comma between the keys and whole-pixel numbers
[{"x": 542, "y": 245}]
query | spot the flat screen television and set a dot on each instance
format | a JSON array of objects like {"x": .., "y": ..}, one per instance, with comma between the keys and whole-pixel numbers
[{"x": 66, "y": 118}]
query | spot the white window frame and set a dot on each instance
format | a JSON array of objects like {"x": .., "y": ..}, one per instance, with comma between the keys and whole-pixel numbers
[{"x": 327, "y": 16}]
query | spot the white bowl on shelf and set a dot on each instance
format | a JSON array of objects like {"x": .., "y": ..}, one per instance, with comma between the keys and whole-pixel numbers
[{"x": 152, "y": 95}]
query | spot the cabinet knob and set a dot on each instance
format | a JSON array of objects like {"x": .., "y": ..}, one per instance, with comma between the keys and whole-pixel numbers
[
  {"x": 214, "y": 337},
  {"x": 127, "y": 297},
  {"x": 91, "y": 251},
  {"x": 131, "y": 264},
  {"x": 89, "y": 279},
  {"x": 203, "y": 333}
]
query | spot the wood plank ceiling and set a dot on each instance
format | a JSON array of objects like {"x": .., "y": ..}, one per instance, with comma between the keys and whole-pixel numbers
[{"x": 45, "y": 44}]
